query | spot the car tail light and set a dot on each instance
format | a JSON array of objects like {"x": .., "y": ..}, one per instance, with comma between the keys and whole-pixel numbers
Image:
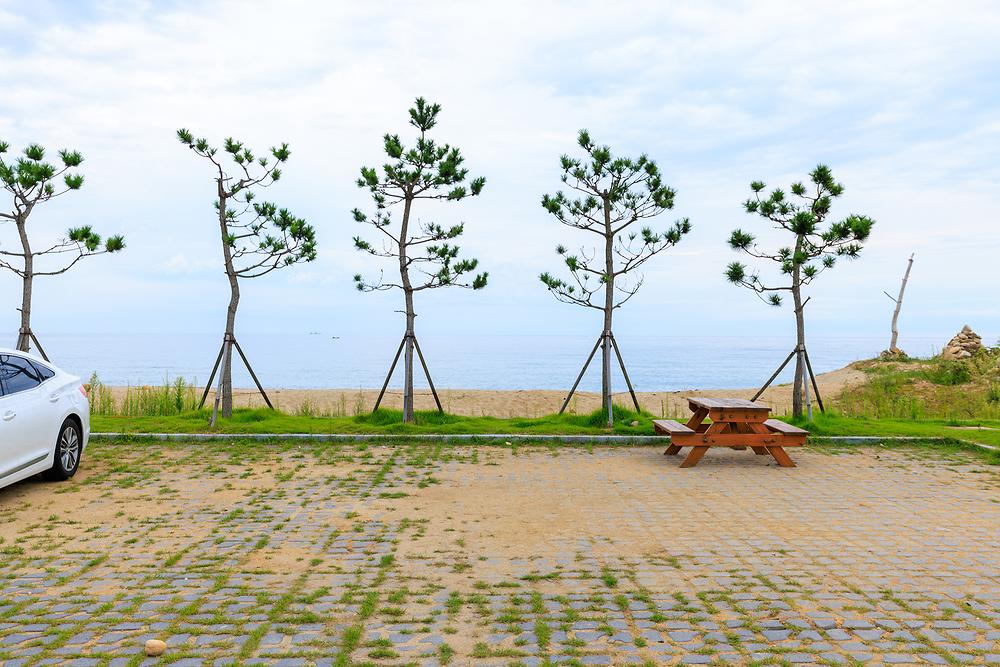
[{"x": 83, "y": 390}]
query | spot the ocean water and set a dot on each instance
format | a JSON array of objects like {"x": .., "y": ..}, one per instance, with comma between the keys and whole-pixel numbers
[{"x": 655, "y": 363}]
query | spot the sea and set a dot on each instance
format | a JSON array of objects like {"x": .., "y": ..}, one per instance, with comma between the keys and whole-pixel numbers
[{"x": 321, "y": 361}]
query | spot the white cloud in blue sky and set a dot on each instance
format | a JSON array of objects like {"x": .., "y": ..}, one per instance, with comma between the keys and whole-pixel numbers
[{"x": 901, "y": 99}]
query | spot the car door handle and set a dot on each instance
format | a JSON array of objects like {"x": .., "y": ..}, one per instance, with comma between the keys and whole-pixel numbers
[
  {"x": 10, "y": 414},
  {"x": 54, "y": 398}
]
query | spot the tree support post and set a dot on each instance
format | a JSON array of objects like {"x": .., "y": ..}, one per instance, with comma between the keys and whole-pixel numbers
[
  {"x": 215, "y": 369},
  {"x": 775, "y": 374},
  {"x": 606, "y": 338},
  {"x": 811, "y": 378},
  {"x": 580, "y": 376},
  {"x": 411, "y": 337},
  {"x": 427, "y": 373},
  {"x": 24, "y": 339},
  {"x": 225, "y": 352},
  {"x": 246, "y": 363},
  {"x": 805, "y": 383},
  {"x": 628, "y": 382}
]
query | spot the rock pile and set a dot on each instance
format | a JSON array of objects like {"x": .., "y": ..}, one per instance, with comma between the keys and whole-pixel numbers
[{"x": 965, "y": 344}]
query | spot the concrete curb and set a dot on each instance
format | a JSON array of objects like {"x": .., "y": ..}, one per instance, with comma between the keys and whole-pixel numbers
[
  {"x": 393, "y": 437},
  {"x": 495, "y": 437}
]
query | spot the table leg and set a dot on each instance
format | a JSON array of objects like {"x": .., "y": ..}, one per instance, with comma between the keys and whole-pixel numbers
[
  {"x": 760, "y": 429},
  {"x": 781, "y": 457},
  {"x": 736, "y": 427},
  {"x": 697, "y": 418},
  {"x": 693, "y": 457},
  {"x": 672, "y": 449}
]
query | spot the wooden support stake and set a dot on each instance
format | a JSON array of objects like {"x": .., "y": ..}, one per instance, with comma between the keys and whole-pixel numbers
[
  {"x": 813, "y": 377},
  {"x": 428, "y": 374},
  {"x": 252, "y": 374},
  {"x": 580, "y": 376},
  {"x": 388, "y": 376},
  {"x": 24, "y": 338},
  {"x": 38, "y": 345},
  {"x": 628, "y": 382},
  {"x": 776, "y": 373},
  {"x": 801, "y": 367},
  {"x": 215, "y": 368},
  {"x": 226, "y": 348}
]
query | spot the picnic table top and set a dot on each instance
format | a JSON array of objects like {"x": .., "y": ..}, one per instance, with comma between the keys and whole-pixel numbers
[{"x": 726, "y": 404}]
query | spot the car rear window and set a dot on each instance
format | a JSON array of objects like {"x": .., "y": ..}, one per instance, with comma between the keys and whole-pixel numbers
[
  {"x": 44, "y": 372},
  {"x": 18, "y": 374}
]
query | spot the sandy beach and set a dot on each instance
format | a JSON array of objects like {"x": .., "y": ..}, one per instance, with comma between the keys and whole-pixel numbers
[{"x": 520, "y": 403}]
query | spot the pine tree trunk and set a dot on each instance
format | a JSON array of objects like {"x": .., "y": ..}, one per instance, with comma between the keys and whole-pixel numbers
[
  {"x": 800, "y": 338},
  {"x": 408, "y": 360},
  {"x": 27, "y": 280},
  {"x": 227, "y": 377},
  {"x": 609, "y": 308},
  {"x": 234, "y": 302},
  {"x": 404, "y": 274}
]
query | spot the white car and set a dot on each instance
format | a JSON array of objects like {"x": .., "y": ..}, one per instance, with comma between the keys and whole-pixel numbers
[{"x": 44, "y": 419}]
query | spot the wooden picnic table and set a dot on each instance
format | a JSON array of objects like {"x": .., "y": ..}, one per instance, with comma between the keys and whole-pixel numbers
[{"x": 736, "y": 423}]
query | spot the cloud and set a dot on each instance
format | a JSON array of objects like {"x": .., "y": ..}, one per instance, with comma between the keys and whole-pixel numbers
[
  {"x": 900, "y": 98},
  {"x": 182, "y": 264}
]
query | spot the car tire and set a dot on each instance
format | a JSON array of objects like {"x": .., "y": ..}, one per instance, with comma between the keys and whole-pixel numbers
[{"x": 69, "y": 448}]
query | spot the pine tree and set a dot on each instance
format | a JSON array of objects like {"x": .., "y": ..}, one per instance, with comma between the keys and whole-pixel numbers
[
  {"x": 427, "y": 255},
  {"x": 815, "y": 249},
  {"x": 614, "y": 194},
  {"x": 31, "y": 181},
  {"x": 257, "y": 238}
]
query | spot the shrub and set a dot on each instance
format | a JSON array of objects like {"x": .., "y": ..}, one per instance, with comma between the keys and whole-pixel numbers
[
  {"x": 949, "y": 373},
  {"x": 170, "y": 398}
]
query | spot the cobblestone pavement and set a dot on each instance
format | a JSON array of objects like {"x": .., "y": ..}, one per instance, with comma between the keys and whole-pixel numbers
[{"x": 428, "y": 555}]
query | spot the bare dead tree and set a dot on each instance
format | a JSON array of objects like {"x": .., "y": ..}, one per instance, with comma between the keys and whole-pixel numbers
[
  {"x": 894, "y": 351},
  {"x": 31, "y": 181}
]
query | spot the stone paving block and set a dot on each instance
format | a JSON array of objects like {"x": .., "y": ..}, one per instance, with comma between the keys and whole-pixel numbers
[{"x": 910, "y": 580}]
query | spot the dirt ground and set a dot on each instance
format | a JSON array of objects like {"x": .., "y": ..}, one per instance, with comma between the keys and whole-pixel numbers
[{"x": 522, "y": 403}]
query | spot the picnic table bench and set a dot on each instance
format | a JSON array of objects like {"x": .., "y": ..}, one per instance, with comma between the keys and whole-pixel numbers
[{"x": 735, "y": 423}]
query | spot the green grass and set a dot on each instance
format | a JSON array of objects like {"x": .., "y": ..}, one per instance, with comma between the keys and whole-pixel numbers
[
  {"x": 250, "y": 421},
  {"x": 919, "y": 389},
  {"x": 268, "y": 421},
  {"x": 929, "y": 398},
  {"x": 390, "y": 422},
  {"x": 981, "y": 431}
]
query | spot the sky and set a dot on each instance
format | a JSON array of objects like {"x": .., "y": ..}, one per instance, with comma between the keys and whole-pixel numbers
[{"x": 900, "y": 99}]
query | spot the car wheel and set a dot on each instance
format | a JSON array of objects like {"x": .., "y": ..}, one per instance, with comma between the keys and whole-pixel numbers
[{"x": 69, "y": 447}]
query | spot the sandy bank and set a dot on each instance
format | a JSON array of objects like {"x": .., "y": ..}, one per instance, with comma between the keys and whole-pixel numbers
[{"x": 520, "y": 403}]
